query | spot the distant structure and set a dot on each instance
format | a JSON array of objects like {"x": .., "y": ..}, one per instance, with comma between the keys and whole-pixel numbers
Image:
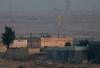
[
  {"x": 94, "y": 10},
  {"x": 68, "y": 54},
  {"x": 67, "y": 5},
  {"x": 9, "y": 9},
  {"x": 38, "y": 42},
  {"x": 10, "y": 14},
  {"x": 19, "y": 44}
]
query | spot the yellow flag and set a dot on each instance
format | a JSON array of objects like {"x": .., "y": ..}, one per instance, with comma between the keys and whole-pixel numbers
[{"x": 59, "y": 20}]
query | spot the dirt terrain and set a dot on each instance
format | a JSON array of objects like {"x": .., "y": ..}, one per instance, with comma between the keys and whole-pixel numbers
[{"x": 42, "y": 64}]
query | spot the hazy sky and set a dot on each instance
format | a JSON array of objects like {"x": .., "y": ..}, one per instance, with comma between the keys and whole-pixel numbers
[{"x": 49, "y": 4}]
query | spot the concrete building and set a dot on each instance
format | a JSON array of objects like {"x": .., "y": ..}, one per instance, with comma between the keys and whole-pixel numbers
[
  {"x": 17, "y": 53},
  {"x": 17, "y": 50},
  {"x": 19, "y": 43},
  {"x": 38, "y": 42},
  {"x": 3, "y": 50},
  {"x": 68, "y": 54}
]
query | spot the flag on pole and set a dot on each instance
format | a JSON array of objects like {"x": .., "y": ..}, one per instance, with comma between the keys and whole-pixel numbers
[{"x": 59, "y": 20}]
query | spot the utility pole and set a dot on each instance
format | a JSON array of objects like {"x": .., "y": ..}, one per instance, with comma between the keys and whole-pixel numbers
[
  {"x": 31, "y": 40},
  {"x": 9, "y": 8},
  {"x": 59, "y": 22},
  {"x": 10, "y": 12},
  {"x": 94, "y": 10},
  {"x": 92, "y": 39},
  {"x": 58, "y": 30},
  {"x": 67, "y": 5}
]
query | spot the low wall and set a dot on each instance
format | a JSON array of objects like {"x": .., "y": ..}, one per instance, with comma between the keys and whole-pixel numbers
[
  {"x": 17, "y": 53},
  {"x": 52, "y": 42},
  {"x": 33, "y": 50}
]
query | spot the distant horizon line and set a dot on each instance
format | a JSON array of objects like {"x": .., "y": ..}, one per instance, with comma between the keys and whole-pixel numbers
[
  {"x": 50, "y": 10},
  {"x": 46, "y": 12}
]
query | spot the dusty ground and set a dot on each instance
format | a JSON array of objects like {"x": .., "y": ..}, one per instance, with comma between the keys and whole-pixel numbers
[{"x": 41, "y": 64}]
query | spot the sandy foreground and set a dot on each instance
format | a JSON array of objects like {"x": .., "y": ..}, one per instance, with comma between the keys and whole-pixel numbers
[{"x": 42, "y": 64}]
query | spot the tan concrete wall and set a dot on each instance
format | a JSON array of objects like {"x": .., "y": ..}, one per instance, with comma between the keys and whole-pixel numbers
[
  {"x": 51, "y": 42},
  {"x": 2, "y": 48},
  {"x": 33, "y": 50},
  {"x": 19, "y": 43},
  {"x": 17, "y": 53},
  {"x": 35, "y": 42}
]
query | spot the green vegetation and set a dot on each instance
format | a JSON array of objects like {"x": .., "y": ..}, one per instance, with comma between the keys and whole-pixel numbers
[
  {"x": 8, "y": 36},
  {"x": 93, "y": 52},
  {"x": 68, "y": 44},
  {"x": 84, "y": 42}
]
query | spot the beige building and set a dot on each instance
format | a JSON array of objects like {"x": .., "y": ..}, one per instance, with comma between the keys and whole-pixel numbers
[
  {"x": 19, "y": 43},
  {"x": 2, "y": 48},
  {"x": 37, "y": 42}
]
